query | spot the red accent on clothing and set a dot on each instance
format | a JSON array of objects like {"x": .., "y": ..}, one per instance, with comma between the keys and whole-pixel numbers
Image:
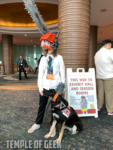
[
  {"x": 66, "y": 112},
  {"x": 47, "y": 47},
  {"x": 57, "y": 105}
]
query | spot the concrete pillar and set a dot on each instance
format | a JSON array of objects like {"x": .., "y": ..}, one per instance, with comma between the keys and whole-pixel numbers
[
  {"x": 7, "y": 53},
  {"x": 92, "y": 46},
  {"x": 74, "y": 27}
]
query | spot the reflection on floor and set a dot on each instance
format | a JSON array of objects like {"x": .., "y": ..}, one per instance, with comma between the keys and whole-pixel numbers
[{"x": 11, "y": 82}]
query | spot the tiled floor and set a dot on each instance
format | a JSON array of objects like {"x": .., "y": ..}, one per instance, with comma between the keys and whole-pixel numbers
[{"x": 18, "y": 109}]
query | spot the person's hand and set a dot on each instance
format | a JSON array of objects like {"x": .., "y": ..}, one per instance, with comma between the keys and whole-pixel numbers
[{"x": 41, "y": 93}]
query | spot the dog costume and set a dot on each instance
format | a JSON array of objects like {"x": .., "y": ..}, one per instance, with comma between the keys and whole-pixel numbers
[{"x": 62, "y": 109}]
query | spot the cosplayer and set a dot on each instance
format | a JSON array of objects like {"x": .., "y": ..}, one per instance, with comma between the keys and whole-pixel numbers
[
  {"x": 51, "y": 80},
  {"x": 51, "y": 68}
]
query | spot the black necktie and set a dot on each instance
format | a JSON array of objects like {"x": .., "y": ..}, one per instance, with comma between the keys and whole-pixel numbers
[
  {"x": 50, "y": 67},
  {"x": 50, "y": 61}
]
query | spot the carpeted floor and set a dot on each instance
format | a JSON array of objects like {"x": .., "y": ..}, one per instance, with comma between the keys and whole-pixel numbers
[{"x": 18, "y": 110}]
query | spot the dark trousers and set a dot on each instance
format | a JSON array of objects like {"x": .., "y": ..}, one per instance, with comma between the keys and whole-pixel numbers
[
  {"x": 36, "y": 70},
  {"x": 42, "y": 106},
  {"x": 21, "y": 69}
]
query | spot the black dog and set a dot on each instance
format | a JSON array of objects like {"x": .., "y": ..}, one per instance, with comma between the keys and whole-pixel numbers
[{"x": 63, "y": 114}]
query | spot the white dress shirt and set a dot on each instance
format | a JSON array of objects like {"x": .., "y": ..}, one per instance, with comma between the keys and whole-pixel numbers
[
  {"x": 36, "y": 63},
  {"x": 58, "y": 72},
  {"x": 104, "y": 63}
]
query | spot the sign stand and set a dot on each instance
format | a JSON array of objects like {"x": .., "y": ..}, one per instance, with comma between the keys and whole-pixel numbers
[{"x": 81, "y": 91}]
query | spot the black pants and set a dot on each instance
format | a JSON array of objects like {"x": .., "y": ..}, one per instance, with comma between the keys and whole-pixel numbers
[
  {"x": 42, "y": 106},
  {"x": 21, "y": 69},
  {"x": 36, "y": 70}
]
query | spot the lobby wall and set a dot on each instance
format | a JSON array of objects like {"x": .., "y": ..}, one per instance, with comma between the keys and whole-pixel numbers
[{"x": 28, "y": 52}]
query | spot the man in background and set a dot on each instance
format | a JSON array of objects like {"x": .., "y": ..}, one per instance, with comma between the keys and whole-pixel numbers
[
  {"x": 36, "y": 65},
  {"x": 21, "y": 65},
  {"x": 40, "y": 58},
  {"x": 104, "y": 75}
]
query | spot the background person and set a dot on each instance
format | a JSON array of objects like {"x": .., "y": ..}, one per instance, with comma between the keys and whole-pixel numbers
[
  {"x": 21, "y": 65},
  {"x": 40, "y": 59},
  {"x": 104, "y": 75},
  {"x": 36, "y": 65}
]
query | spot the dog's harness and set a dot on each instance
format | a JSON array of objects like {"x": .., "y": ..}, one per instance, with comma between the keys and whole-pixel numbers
[{"x": 65, "y": 110}]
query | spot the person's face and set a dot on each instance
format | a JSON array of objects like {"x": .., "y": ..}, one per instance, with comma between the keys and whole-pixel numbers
[
  {"x": 43, "y": 49},
  {"x": 21, "y": 57},
  {"x": 108, "y": 46},
  {"x": 50, "y": 51}
]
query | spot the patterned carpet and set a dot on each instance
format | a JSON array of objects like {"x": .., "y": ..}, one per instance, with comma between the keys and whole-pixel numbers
[{"x": 18, "y": 110}]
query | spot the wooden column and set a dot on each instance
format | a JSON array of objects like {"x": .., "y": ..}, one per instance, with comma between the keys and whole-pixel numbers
[
  {"x": 7, "y": 52},
  {"x": 93, "y": 46},
  {"x": 74, "y": 27}
]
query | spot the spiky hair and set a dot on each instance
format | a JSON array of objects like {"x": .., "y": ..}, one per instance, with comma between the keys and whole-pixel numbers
[{"x": 32, "y": 9}]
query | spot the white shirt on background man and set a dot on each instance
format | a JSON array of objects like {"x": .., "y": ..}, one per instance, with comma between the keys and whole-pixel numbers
[
  {"x": 104, "y": 63},
  {"x": 36, "y": 63}
]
